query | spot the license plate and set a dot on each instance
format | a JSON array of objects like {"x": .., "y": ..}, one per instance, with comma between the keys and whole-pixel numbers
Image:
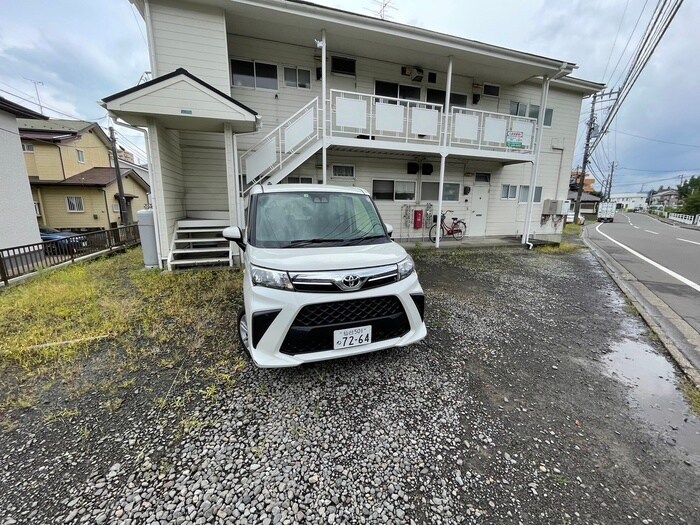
[{"x": 348, "y": 337}]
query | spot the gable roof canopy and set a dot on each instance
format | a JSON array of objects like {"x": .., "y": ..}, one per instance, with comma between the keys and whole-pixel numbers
[
  {"x": 59, "y": 130},
  {"x": 19, "y": 111},
  {"x": 94, "y": 177},
  {"x": 180, "y": 100}
]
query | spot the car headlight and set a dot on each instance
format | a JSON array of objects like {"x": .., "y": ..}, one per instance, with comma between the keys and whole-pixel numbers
[
  {"x": 270, "y": 278},
  {"x": 406, "y": 267}
]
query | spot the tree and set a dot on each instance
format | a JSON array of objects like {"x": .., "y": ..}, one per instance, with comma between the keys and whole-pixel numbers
[
  {"x": 689, "y": 187},
  {"x": 692, "y": 204}
]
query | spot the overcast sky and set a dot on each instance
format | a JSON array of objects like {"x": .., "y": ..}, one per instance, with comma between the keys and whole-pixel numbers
[{"x": 85, "y": 50}]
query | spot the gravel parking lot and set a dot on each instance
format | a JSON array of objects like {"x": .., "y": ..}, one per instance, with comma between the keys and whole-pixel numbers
[{"x": 506, "y": 413}]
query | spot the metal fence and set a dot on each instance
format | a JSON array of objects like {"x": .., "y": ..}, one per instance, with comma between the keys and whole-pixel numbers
[
  {"x": 23, "y": 260},
  {"x": 685, "y": 219}
]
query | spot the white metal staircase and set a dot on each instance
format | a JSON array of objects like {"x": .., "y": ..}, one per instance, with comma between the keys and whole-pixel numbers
[
  {"x": 199, "y": 242},
  {"x": 284, "y": 149}
]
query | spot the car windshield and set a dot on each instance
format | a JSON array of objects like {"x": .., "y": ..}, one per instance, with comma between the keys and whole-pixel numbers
[
  {"x": 49, "y": 230},
  {"x": 298, "y": 219}
]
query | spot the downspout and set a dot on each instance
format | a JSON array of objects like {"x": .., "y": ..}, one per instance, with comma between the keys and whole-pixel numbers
[
  {"x": 60, "y": 155},
  {"x": 104, "y": 194},
  {"x": 324, "y": 107},
  {"x": 443, "y": 152},
  {"x": 151, "y": 41},
  {"x": 239, "y": 175}
]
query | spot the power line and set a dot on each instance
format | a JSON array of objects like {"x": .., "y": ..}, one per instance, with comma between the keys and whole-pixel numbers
[
  {"x": 657, "y": 140},
  {"x": 657, "y": 171},
  {"x": 612, "y": 48},
  {"x": 628, "y": 41},
  {"x": 133, "y": 12}
]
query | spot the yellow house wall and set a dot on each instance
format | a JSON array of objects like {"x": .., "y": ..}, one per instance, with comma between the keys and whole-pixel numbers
[
  {"x": 37, "y": 197},
  {"x": 130, "y": 187},
  {"x": 45, "y": 162},
  {"x": 96, "y": 154},
  {"x": 56, "y": 212}
]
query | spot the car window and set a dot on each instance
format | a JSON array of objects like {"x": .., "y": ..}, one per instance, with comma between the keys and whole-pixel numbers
[{"x": 292, "y": 219}]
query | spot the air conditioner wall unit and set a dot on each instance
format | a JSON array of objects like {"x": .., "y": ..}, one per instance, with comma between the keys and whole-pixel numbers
[{"x": 417, "y": 75}]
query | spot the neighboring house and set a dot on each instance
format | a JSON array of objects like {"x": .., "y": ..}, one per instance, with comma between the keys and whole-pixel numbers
[
  {"x": 589, "y": 203},
  {"x": 342, "y": 98},
  {"x": 630, "y": 201},
  {"x": 89, "y": 200},
  {"x": 70, "y": 168},
  {"x": 588, "y": 181},
  {"x": 667, "y": 198},
  {"x": 18, "y": 224}
]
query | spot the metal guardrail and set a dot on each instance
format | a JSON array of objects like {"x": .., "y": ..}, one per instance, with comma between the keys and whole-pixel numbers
[
  {"x": 693, "y": 220},
  {"x": 23, "y": 260}
]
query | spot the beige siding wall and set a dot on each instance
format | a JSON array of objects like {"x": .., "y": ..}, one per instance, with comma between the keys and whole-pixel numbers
[
  {"x": 130, "y": 188},
  {"x": 204, "y": 168},
  {"x": 190, "y": 36},
  {"x": 58, "y": 162},
  {"x": 45, "y": 162},
  {"x": 56, "y": 211},
  {"x": 172, "y": 176},
  {"x": 30, "y": 162}
]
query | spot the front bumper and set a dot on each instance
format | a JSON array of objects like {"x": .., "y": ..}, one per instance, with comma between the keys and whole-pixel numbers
[{"x": 292, "y": 328}]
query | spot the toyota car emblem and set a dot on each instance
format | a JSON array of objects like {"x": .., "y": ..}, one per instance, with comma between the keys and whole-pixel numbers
[{"x": 350, "y": 282}]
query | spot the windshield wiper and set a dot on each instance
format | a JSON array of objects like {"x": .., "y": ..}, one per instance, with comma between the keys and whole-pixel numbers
[
  {"x": 349, "y": 242},
  {"x": 305, "y": 242}
]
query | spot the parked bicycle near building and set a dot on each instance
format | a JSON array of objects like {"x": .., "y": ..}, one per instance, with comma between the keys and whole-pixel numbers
[{"x": 457, "y": 229}]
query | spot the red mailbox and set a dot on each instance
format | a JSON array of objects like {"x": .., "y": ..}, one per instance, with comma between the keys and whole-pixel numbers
[{"x": 417, "y": 219}]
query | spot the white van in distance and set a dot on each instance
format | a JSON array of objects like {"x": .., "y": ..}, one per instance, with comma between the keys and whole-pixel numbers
[{"x": 322, "y": 277}]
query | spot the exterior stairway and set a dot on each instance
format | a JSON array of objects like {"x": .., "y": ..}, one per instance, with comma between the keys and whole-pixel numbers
[{"x": 199, "y": 242}]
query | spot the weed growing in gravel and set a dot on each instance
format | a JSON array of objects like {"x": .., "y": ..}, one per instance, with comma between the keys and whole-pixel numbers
[
  {"x": 630, "y": 308},
  {"x": 693, "y": 395},
  {"x": 210, "y": 393},
  {"x": 60, "y": 415},
  {"x": 564, "y": 248},
  {"x": 7, "y": 425},
  {"x": 112, "y": 405},
  {"x": 573, "y": 230}
]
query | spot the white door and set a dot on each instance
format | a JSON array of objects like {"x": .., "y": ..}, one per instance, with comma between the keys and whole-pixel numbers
[{"x": 480, "y": 202}]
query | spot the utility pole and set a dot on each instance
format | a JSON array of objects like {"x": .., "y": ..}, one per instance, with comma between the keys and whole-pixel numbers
[
  {"x": 586, "y": 154},
  {"x": 36, "y": 89},
  {"x": 120, "y": 184},
  {"x": 613, "y": 165}
]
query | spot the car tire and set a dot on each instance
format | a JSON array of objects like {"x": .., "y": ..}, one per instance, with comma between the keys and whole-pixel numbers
[{"x": 243, "y": 332}]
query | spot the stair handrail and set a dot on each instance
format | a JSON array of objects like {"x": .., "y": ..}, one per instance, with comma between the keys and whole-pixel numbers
[{"x": 281, "y": 156}]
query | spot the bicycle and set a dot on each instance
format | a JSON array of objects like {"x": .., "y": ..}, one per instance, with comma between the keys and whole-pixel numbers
[{"x": 457, "y": 229}]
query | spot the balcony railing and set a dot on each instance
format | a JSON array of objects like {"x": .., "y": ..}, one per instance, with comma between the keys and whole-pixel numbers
[{"x": 485, "y": 130}]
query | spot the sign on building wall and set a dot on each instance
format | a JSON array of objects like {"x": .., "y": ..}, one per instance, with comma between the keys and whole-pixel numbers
[{"x": 514, "y": 139}]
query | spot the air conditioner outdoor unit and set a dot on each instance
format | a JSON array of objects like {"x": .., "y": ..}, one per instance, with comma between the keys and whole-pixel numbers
[
  {"x": 546, "y": 205},
  {"x": 558, "y": 207},
  {"x": 417, "y": 75}
]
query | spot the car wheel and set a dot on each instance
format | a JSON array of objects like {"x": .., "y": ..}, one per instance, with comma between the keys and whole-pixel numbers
[{"x": 243, "y": 334}]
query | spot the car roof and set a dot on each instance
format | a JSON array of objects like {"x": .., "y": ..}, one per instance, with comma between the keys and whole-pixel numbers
[{"x": 288, "y": 188}]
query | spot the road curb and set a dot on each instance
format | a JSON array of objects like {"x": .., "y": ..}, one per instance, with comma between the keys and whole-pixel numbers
[
  {"x": 635, "y": 291},
  {"x": 673, "y": 223}
]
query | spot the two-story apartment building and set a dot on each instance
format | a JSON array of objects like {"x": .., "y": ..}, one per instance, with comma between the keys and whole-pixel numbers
[
  {"x": 269, "y": 91},
  {"x": 72, "y": 175}
]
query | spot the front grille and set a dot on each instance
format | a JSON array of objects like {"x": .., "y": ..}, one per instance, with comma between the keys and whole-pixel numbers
[
  {"x": 348, "y": 311},
  {"x": 312, "y": 330},
  {"x": 331, "y": 281}
]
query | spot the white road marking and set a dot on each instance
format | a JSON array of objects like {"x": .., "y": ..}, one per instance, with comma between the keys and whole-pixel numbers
[
  {"x": 649, "y": 231},
  {"x": 637, "y": 227},
  {"x": 673, "y": 274},
  {"x": 686, "y": 240}
]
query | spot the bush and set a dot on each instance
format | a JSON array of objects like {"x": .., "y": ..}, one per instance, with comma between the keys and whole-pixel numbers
[{"x": 692, "y": 204}]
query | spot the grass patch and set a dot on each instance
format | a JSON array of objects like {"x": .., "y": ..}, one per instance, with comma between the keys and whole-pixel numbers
[
  {"x": 693, "y": 395},
  {"x": 60, "y": 415},
  {"x": 573, "y": 230},
  {"x": 563, "y": 248}
]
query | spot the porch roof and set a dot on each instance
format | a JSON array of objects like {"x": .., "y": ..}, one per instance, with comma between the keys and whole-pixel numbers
[{"x": 180, "y": 100}]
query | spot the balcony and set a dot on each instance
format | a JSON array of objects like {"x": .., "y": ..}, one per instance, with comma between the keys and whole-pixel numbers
[{"x": 375, "y": 122}]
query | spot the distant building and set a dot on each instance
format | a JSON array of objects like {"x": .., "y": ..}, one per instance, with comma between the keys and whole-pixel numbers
[
  {"x": 588, "y": 181},
  {"x": 667, "y": 198},
  {"x": 125, "y": 155},
  {"x": 630, "y": 201},
  {"x": 589, "y": 203}
]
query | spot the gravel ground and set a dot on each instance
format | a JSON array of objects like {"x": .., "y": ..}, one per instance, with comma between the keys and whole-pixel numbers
[{"x": 504, "y": 414}]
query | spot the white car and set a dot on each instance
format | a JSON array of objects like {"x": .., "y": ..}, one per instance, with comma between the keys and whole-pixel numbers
[
  {"x": 322, "y": 277},
  {"x": 570, "y": 218}
]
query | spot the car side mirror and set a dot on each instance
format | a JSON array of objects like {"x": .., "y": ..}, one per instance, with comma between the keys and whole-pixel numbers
[
  {"x": 234, "y": 234},
  {"x": 389, "y": 229}
]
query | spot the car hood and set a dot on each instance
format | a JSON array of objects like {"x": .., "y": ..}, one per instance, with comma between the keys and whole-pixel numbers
[{"x": 326, "y": 258}]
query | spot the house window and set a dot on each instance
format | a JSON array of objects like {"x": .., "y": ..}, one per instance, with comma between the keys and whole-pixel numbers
[
  {"x": 37, "y": 208},
  {"x": 532, "y": 111},
  {"x": 115, "y": 207},
  {"x": 248, "y": 73},
  {"x": 404, "y": 190},
  {"x": 525, "y": 194},
  {"x": 491, "y": 90},
  {"x": 343, "y": 66},
  {"x": 75, "y": 204},
  {"x": 437, "y": 96},
  {"x": 27, "y": 148},
  {"x": 429, "y": 191},
  {"x": 81, "y": 156},
  {"x": 482, "y": 177},
  {"x": 432, "y": 77},
  {"x": 394, "y": 90},
  {"x": 343, "y": 171},
  {"x": 300, "y": 180},
  {"x": 297, "y": 77},
  {"x": 508, "y": 191},
  {"x": 383, "y": 190}
]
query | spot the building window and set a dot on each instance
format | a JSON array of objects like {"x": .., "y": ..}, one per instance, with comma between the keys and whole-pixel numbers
[
  {"x": 297, "y": 77},
  {"x": 532, "y": 111},
  {"x": 343, "y": 171},
  {"x": 81, "y": 156},
  {"x": 482, "y": 177},
  {"x": 437, "y": 96},
  {"x": 75, "y": 204},
  {"x": 432, "y": 77},
  {"x": 525, "y": 194},
  {"x": 395, "y": 90},
  {"x": 492, "y": 90},
  {"x": 429, "y": 191},
  {"x": 27, "y": 148},
  {"x": 508, "y": 191},
  {"x": 300, "y": 180},
  {"x": 248, "y": 73},
  {"x": 37, "y": 208},
  {"x": 343, "y": 66},
  {"x": 383, "y": 190},
  {"x": 404, "y": 190},
  {"x": 115, "y": 207}
]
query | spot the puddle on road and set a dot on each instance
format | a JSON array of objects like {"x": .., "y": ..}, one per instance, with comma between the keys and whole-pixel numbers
[{"x": 655, "y": 393}]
